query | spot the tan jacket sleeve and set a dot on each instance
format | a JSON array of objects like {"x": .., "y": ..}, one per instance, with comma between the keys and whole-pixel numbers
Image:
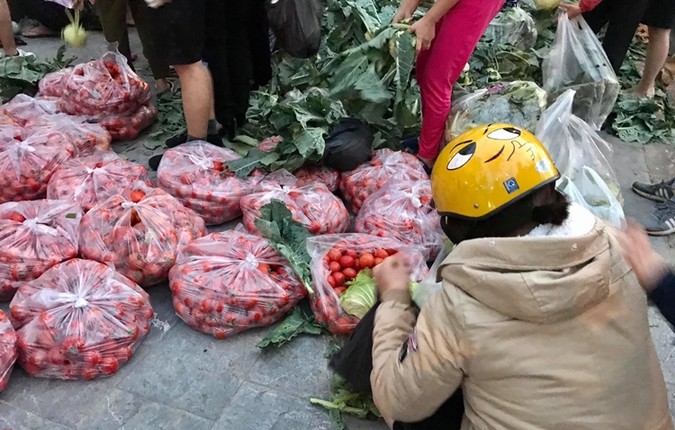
[{"x": 412, "y": 389}]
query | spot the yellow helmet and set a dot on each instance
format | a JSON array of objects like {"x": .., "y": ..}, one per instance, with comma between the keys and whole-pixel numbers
[{"x": 487, "y": 168}]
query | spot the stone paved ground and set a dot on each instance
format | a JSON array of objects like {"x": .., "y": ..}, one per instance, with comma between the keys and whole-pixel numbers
[{"x": 181, "y": 379}]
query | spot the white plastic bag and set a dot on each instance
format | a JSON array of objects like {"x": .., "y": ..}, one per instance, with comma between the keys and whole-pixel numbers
[
  {"x": 512, "y": 26},
  {"x": 577, "y": 61},
  {"x": 430, "y": 285},
  {"x": 584, "y": 160}
]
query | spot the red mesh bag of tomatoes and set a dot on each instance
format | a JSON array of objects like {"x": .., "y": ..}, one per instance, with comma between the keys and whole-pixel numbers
[
  {"x": 93, "y": 179},
  {"x": 104, "y": 87},
  {"x": 54, "y": 84},
  {"x": 23, "y": 108},
  {"x": 8, "y": 351},
  {"x": 310, "y": 174},
  {"x": 79, "y": 320},
  {"x": 140, "y": 232},
  {"x": 196, "y": 174},
  {"x": 337, "y": 259},
  {"x": 314, "y": 206},
  {"x": 126, "y": 127},
  {"x": 228, "y": 282},
  {"x": 369, "y": 177},
  {"x": 26, "y": 166},
  {"x": 85, "y": 137},
  {"x": 34, "y": 236},
  {"x": 402, "y": 210}
]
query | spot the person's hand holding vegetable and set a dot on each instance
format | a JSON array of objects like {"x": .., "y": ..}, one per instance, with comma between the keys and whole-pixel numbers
[
  {"x": 393, "y": 274},
  {"x": 406, "y": 11}
]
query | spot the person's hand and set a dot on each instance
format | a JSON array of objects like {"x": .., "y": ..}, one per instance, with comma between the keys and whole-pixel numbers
[
  {"x": 405, "y": 11},
  {"x": 425, "y": 31},
  {"x": 573, "y": 10},
  {"x": 79, "y": 4},
  {"x": 648, "y": 265},
  {"x": 392, "y": 274}
]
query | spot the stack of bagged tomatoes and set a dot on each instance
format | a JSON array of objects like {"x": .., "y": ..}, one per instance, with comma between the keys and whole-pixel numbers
[
  {"x": 125, "y": 127},
  {"x": 22, "y": 108},
  {"x": 79, "y": 320},
  {"x": 34, "y": 236},
  {"x": 338, "y": 259},
  {"x": 313, "y": 205},
  {"x": 361, "y": 182},
  {"x": 8, "y": 351},
  {"x": 54, "y": 84},
  {"x": 196, "y": 174},
  {"x": 93, "y": 179},
  {"x": 85, "y": 137},
  {"x": 228, "y": 282},
  {"x": 312, "y": 174},
  {"x": 402, "y": 210},
  {"x": 140, "y": 232}
]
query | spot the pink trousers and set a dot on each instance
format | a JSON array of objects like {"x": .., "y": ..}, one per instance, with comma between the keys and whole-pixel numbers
[{"x": 439, "y": 67}]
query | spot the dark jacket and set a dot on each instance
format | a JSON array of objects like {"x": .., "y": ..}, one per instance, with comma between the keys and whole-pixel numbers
[{"x": 663, "y": 296}]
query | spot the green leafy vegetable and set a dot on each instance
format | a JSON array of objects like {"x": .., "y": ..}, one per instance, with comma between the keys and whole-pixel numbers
[
  {"x": 295, "y": 324},
  {"x": 343, "y": 400},
  {"x": 361, "y": 294}
]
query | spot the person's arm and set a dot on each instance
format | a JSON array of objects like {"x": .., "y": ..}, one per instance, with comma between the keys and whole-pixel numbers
[
  {"x": 574, "y": 10},
  {"x": 416, "y": 362},
  {"x": 425, "y": 28}
]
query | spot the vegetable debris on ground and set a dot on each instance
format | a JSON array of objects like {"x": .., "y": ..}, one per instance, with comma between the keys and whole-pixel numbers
[
  {"x": 295, "y": 324},
  {"x": 344, "y": 401}
]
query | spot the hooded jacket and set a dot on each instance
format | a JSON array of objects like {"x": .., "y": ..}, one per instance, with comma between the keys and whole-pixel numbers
[{"x": 547, "y": 331}]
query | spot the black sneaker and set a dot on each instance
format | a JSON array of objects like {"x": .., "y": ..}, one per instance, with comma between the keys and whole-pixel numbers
[
  {"x": 664, "y": 220},
  {"x": 154, "y": 161},
  {"x": 659, "y": 192}
]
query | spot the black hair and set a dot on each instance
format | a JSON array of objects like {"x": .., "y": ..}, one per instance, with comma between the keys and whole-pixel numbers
[{"x": 508, "y": 221}]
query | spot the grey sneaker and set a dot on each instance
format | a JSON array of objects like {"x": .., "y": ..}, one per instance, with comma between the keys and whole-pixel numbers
[
  {"x": 663, "y": 223},
  {"x": 659, "y": 192}
]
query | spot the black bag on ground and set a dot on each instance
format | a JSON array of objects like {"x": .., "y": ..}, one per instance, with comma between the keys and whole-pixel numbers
[
  {"x": 296, "y": 25},
  {"x": 354, "y": 363},
  {"x": 349, "y": 145}
]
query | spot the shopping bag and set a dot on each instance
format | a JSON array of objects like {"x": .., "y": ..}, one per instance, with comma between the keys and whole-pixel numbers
[{"x": 297, "y": 25}]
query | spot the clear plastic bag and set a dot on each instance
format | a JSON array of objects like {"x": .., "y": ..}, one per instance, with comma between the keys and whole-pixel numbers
[
  {"x": 104, "y": 87},
  {"x": 310, "y": 174},
  {"x": 8, "y": 351},
  {"x": 85, "y": 137},
  {"x": 512, "y": 26},
  {"x": 520, "y": 103},
  {"x": 584, "y": 160},
  {"x": 34, "y": 236},
  {"x": 23, "y": 108},
  {"x": 140, "y": 232},
  {"x": 93, "y": 179},
  {"x": 297, "y": 25},
  {"x": 26, "y": 166},
  {"x": 430, "y": 285},
  {"x": 228, "y": 282},
  {"x": 54, "y": 84},
  {"x": 577, "y": 61},
  {"x": 314, "y": 206},
  {"x": 361, "y": 182},
  {"x": 195, "y": 174},
  {"x": 127, "y": 127},
  {"x": 350, "y": 253},
  {"x": 402, "y": 210},
  {"x": 79, "y": 320}
]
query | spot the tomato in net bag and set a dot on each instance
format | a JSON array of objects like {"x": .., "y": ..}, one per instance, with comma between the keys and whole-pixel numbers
[
  {"x": 8, "y": 352},
  {"x": 104, "y": 87},
  {"x": 310, "y": 174},
  {"x": 27, "y": 165},
  {"x": 126, "y": 127},
  {"x": 369, "y": 177},
  {"x": 85, "y": 137},
  {"x": 140, "y": 232},
  {"x": 54, "y": 84},
  {"x": 314, "y": 206},
  {"x": 34, "y": 236},
  {"x": 23, "y": 108},
  {"x": 195, "y": 173},
  {"x": 79, "y": 320},
  {"x": 402, "y": 210},
  {"x": 338, "y": 259},
  {"x": 228, "y": 282},
  {"x": 93, "y": 179}
]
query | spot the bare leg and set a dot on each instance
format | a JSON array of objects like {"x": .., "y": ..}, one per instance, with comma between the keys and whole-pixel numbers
[
  {"x": 657, "y": 54},
  {"x": 6, "y": 33},
  {"x": 197, "y": 97}
]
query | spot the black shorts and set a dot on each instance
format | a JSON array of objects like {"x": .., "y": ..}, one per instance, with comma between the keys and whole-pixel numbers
[
  {"x": 660, "y": 14},
  {"x": 178, "y": 28}
]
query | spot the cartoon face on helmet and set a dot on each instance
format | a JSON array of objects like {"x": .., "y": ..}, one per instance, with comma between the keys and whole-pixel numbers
[{"x": 486, "y": 168}]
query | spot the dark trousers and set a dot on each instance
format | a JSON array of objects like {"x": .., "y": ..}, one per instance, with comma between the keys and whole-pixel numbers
[
  {"x": 228, "y": 54},
  {"x": 622, "y": 18},
  {"x": 259, "y": 36},
  {"x": 51, "y": 15}
]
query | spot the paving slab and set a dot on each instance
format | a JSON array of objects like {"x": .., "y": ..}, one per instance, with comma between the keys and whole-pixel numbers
[
  {"x": 15, "y": 418},
  {"x": 153, "y": 416}
]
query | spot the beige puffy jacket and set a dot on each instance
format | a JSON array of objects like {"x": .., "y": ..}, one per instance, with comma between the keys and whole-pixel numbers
[{"x": 542, "y": 333}]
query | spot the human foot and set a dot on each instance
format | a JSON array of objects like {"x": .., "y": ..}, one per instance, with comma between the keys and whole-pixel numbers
[{"x": 643, "y": 93}]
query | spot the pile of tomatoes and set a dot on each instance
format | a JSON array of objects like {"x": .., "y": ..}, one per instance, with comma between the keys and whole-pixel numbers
[{"x": 8, "y": 353}]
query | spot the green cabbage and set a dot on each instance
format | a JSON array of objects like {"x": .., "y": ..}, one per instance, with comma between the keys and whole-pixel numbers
[{"x": 361, "y": 294}]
